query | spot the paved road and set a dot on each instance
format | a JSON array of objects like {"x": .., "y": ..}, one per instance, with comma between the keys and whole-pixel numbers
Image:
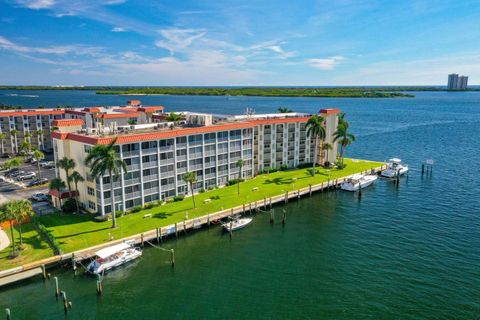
[{"x": 20, "y": 194}]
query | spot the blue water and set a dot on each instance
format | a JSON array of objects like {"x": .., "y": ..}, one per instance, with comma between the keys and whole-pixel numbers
[{"x": 406, "y": 252}]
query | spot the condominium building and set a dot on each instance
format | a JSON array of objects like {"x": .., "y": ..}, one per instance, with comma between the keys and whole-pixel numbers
[
  {"x": 456, "y": 82},
  {"x": 35, "y": 125},
  {"x": 158, "y": 154}
]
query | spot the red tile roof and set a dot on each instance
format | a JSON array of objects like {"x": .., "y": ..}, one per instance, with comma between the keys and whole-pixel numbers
[
  {"x": 30, "y": 112},
  {"x": 92, "y": 109},
  {"x": 67, "y": 122},
  {"x": 330, "y": 111},
  {"x": 138, "y": 137},
  {"x": 76, "y": 112},
  {"x": 134, "y": 102},
  {"x": 151, "y": 109}
]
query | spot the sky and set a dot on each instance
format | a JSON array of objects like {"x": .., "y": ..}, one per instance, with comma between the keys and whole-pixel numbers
[{"x": 232, "y": 43}]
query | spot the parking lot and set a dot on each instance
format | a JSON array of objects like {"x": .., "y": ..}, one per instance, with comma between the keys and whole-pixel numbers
[{"x": 17, "y": 189}]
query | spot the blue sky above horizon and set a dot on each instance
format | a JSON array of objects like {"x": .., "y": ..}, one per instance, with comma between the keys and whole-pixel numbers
[{"x": 343, "y": 42}]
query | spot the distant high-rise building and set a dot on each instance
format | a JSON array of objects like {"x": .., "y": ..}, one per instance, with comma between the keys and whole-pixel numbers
[{"x": 456, "y": 82}]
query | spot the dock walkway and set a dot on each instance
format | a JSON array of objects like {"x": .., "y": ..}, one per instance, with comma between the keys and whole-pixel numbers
[{"x": 25, "y": 271}]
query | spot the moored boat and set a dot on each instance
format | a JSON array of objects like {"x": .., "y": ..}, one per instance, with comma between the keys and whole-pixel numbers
[
  {"x": 358, "y": 181},
  {"x": 236, "y": 224},
  {"x": 395, "y": 167},
  {"x": 112, "y": 257}
]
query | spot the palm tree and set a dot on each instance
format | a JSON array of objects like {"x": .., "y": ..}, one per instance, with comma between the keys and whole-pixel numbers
[
  {"x": 13, "y": 163},
  {"x": 191, "y": 178},
  {"x": 284, "y": 110},
  {"x": 24, "y": 210},
  {"x": 9, "y": 213},
  {"x": 39, "y": 133},
  {"x": 66, "y": 164},
  {"x": 57, "y": 184},
  {"x": 14, "y": 133},
  {"x": 76, "y": 177},
  {"x": 52, "y": 129},
  {"x": 173, "y": 117},
  {"x": 103, "y": 159},
  {"x": 315, "y": 130},
  {"x": 326, "y": 147},
  {"x": 343, "y": 137},
  {"x": 240, "y": 164},
  {"x": 27, "y": 136},
  {"x": 25, "y": 148},
  {"x": 38, "y": 155},
  {"x": 2, "y": 139}
]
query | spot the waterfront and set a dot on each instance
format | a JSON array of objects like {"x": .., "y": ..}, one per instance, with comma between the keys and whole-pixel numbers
[{"x": 407, "y": 253}]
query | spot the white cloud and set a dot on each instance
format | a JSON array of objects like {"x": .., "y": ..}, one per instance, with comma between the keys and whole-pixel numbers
[
  {"x": 325, "y": 63},
  {"x": 36, "y": 4},
  {"x": 282, "y": 53},
  {"x": 118, "y": 29},
  {"x": 177, "y": 39}
]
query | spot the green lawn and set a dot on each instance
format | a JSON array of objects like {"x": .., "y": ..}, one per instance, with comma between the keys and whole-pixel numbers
[
  {"x": 74, "y": 232},
  {"x": 35, "y": 248}
]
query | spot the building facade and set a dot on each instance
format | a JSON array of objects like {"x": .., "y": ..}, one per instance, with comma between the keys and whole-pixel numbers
[
  {"x": 159, "y": 154},
  {"x": 456, "y": 82}
]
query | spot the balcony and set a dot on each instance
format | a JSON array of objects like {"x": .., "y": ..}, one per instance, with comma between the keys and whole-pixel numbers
[
  {"x": 131, "y": 181},
  {"x": 166, "y": 148},
  {"x": 181, "y": 145},
  {"x": 151, "y": 190},
  {"x": 151, "y": 164},
  {"x": 151, "y": 177},
  {"x": 132, "y": 195},
  {"x": 129, "y": 154},
  {"x": 195, "y": 167},
  {"x": 133, "y": 167},
  {"x": 181, "y": 158},
  {"x": 149, "y": 151},
  {"x": 210, "y": 141}
]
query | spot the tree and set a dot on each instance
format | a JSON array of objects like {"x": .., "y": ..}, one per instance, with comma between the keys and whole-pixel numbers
[
  {"x": 38, "y": 155},
  {"x": 191, "y": 178},
  {"x": 24, "y": 210},
  {"x": 14, "y": 133},
  {"x": 27, "y": 136},
  {"x": 315, "y": 130},
  {"x": 240, "y": 164},
  {"x": 39, "y": 133},
  {"x": 2, "y": 140},
  {"x": 57, "y": 184},
  {"x": 326, "y": 147},
  {"x": 8, "y": 213},
  {"x": 173, "y": 117},
  {"x": 67, "y": 164},
  {"x": 343, "y": 137},
  {"x": 284, "y": 110},
  {"x": 13, "y": 163},
  {"x": 103, "y": 159},
  {"x": 53, "y": 129},
  {"x": 76, "y": 177},
  {"x": 25, "y": 148}
]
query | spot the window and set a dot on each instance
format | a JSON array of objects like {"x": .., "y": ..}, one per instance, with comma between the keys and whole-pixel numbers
[
  {"x": 166, "y": 155},
  {"x": 195, "y": 138},
  {"x": 90, "y": 192},
  {"x": 209, "y": 136},
  {"x": 181, "y": 139},
  {"x": 91, "y": 205},
  {"x": 181, "y": 152},
  {"x": 87, "y": 148}
]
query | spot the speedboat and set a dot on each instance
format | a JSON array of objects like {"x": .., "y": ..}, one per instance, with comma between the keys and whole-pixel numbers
[
  {"x": 395, "y": 167},
  {"x": 358, "y": 181},
  {"x": 236, "y": 223},
  {"x": 112, "y": 257}
]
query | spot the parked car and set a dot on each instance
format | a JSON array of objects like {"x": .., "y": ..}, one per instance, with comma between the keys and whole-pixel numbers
[
  {"x": 47, "y": 164},
  {"x": 16, "y": 173},
  {"x": 37, "y": 182},
  {"x": 26, "y": 176},
  {"x": 40, "y": 197}
]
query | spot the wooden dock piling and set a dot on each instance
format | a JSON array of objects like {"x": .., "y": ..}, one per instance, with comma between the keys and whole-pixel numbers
[
  {"x": 284, "y": 220},
  {"x": 57, "y": 289},
  {"x": 7, "y": 313},
  {"x": 172, "y": 257},
  {"x": 44, "y": 272},
  {"x": 158, "y": 235},
  {"x": 310, "y": 190}
]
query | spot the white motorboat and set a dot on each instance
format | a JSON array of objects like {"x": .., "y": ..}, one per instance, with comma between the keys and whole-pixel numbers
[
  {"x": 112, "y": 257},
  {"x": 395, "y": 167},
  {"x": 236, "y": 224},
  {"x": 358, "y": 181}
]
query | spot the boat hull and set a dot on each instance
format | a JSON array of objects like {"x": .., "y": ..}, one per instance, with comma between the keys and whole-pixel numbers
[
  {"x": 237, "y": 224},
  {"x": 101, "y": 268},
  {"x": 392, "y": 173},
  {"x": 361, "y": 184}
]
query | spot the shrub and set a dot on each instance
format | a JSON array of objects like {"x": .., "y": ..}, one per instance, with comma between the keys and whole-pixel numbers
[
  {"x": 234, "y": 181},
  {"x": 201, "y": 190},
  {"x": 169, "y": 200},
  {"x": 327, "y": 164},
  {"x": 47, "y": 235},
  {"x": 159, "y": 203},
  {"x": 283, "y": 167},
  {"x": 149, "y": 205},
  {"x": 217, "y": 197},
  {"x": 136, "y": 209},
  {"x": 69, "y": 206},
  {"x": 180, "y": 197},
  {"x": 304, "y": 165}
]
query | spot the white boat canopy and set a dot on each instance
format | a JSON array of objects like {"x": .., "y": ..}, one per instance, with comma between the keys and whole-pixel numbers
[
  {"x": 107, "y": 252},
  {"x": 395, "y": 160}
]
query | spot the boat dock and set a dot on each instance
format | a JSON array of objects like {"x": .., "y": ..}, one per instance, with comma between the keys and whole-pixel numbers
[{"x": 174, "y": 230}]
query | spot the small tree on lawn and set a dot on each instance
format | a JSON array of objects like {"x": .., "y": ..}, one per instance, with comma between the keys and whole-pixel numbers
[
  {"x": 240, "y": 164},
  {"x": 191, "y": 178}
]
